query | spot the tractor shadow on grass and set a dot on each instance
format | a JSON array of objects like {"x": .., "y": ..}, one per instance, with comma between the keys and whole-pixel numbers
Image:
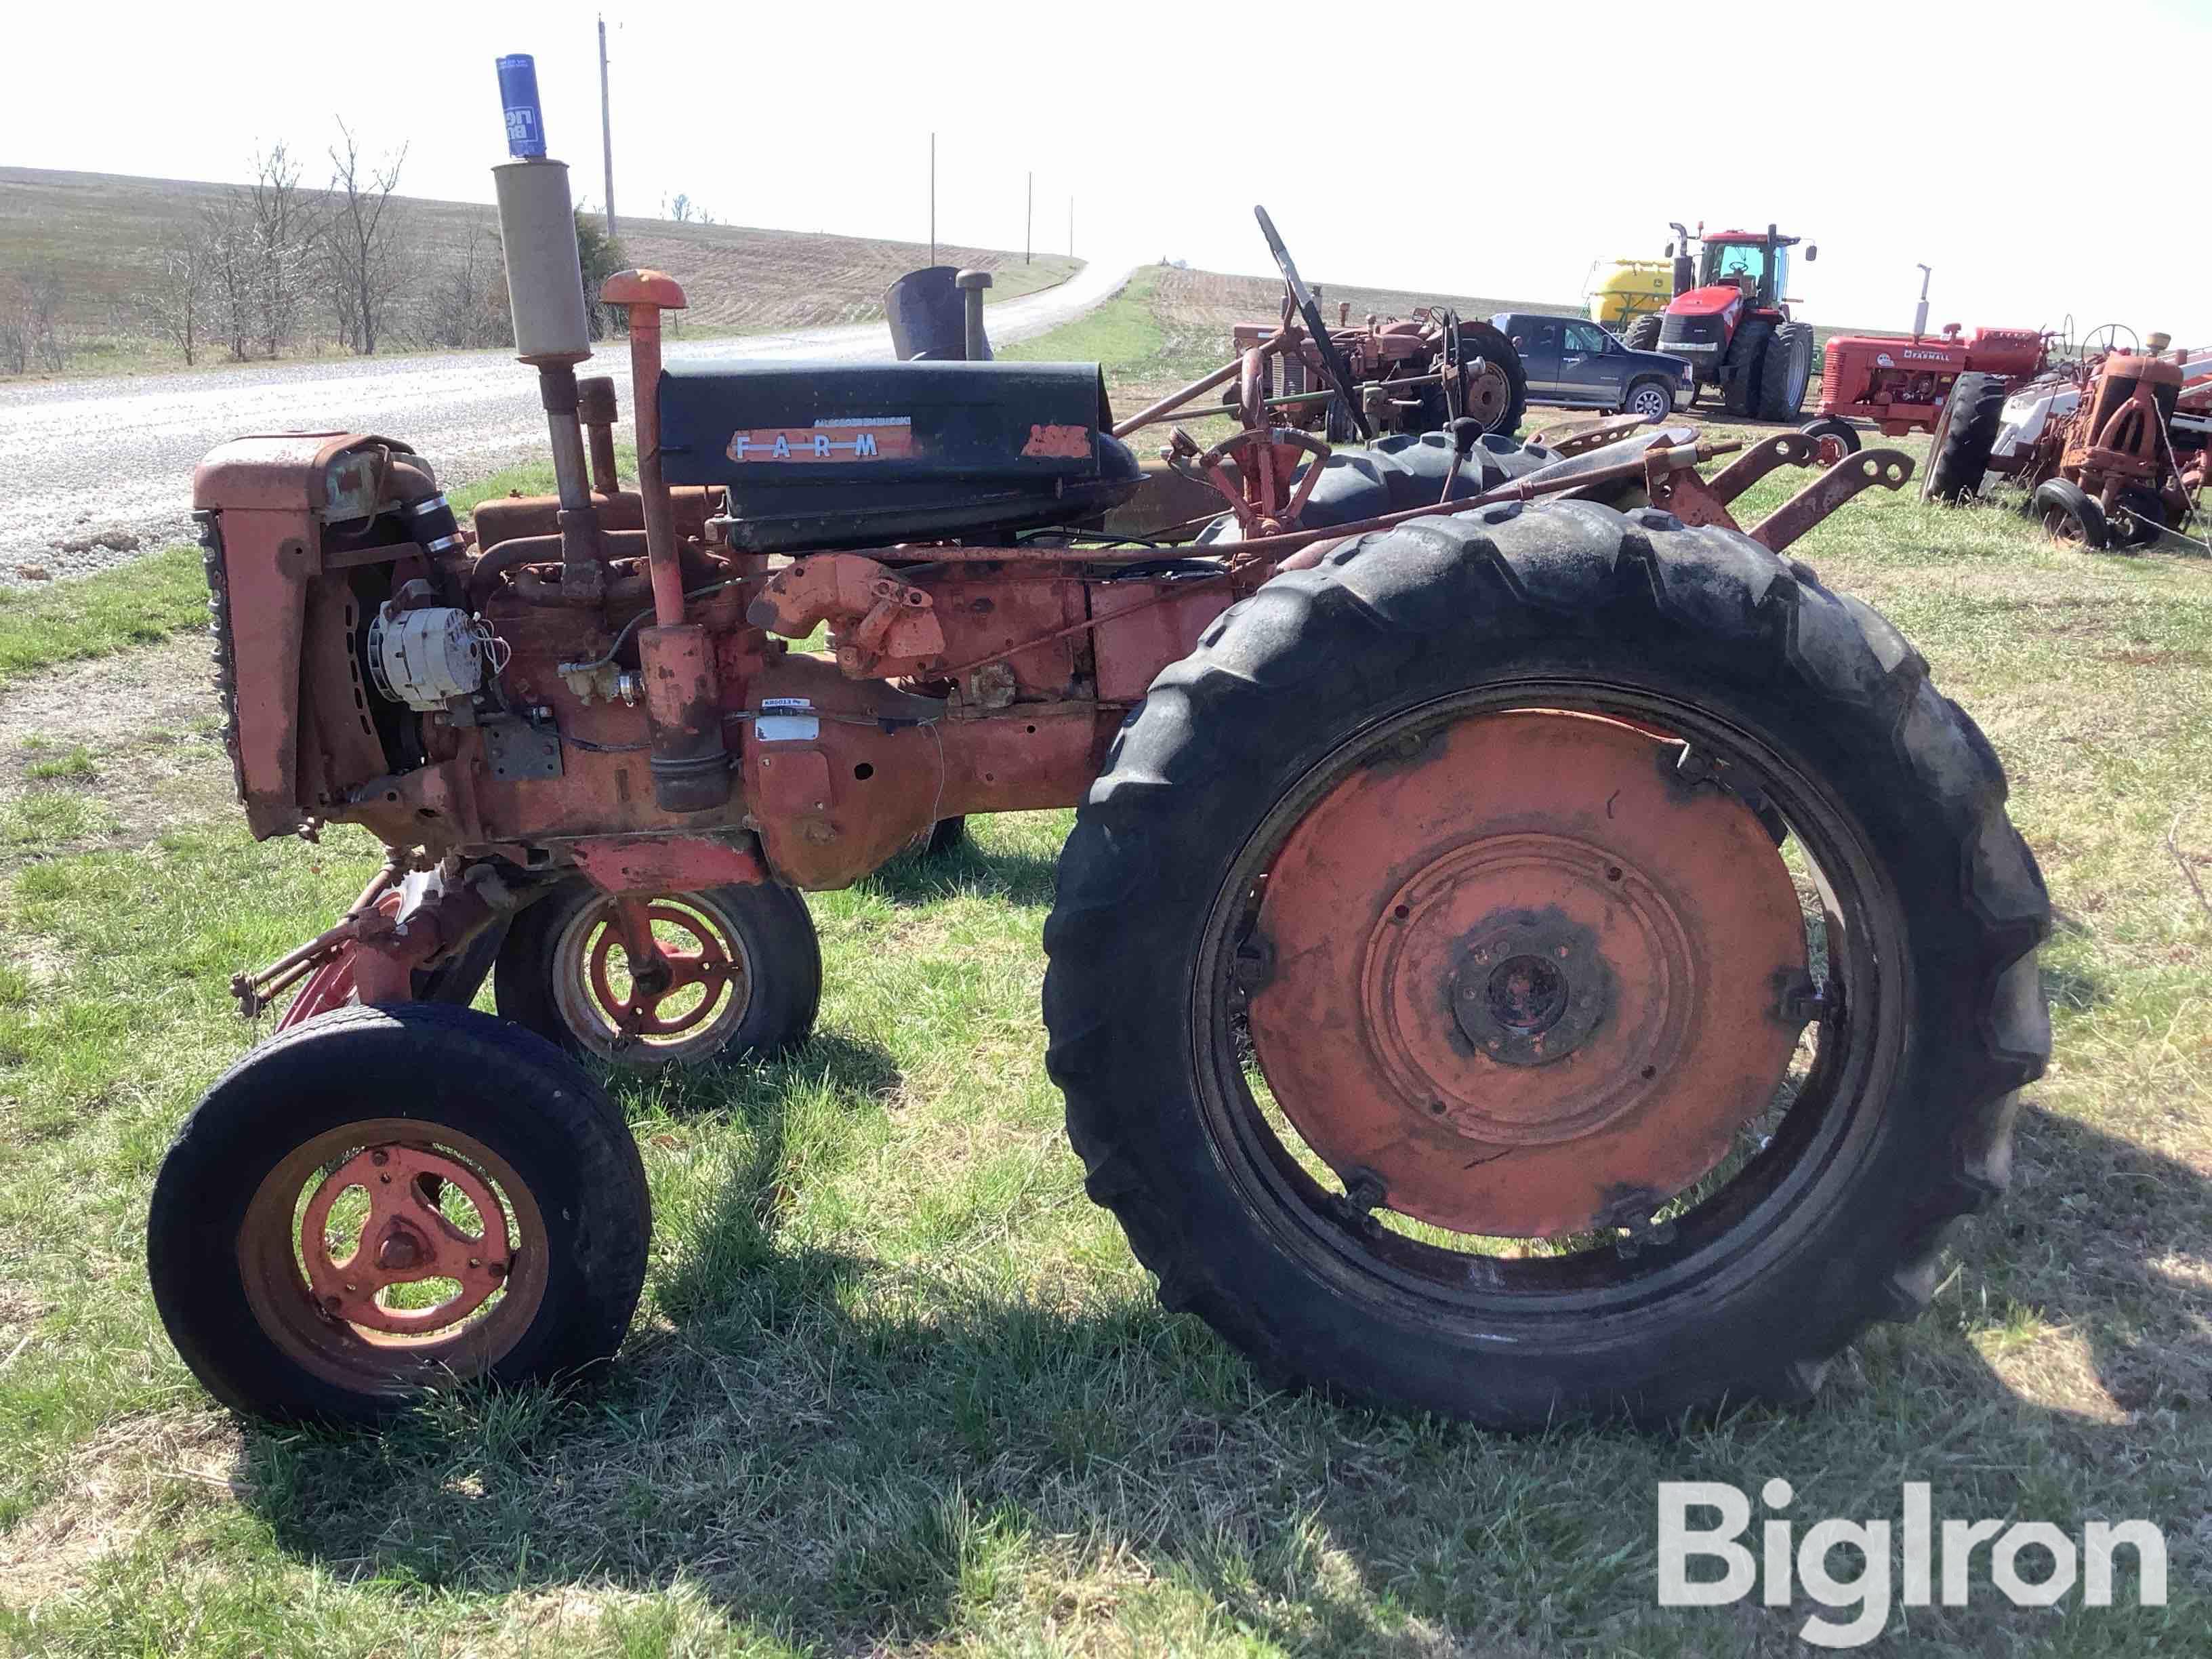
[{"x": 862, "y": 1454}]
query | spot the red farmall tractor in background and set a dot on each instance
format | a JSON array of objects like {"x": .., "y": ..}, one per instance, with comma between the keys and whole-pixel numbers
[
  {"x": 1730, "y": 318},
  {"x": 1515, "y": 956},
  {"x": 1901, "y": 383}
]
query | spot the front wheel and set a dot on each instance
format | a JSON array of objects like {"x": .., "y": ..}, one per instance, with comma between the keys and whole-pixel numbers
[
  {"x": 1600, "y": 1000},
  {"x": 1833, "y": 426},
  {"x": 1652, "y": 399},
  {"x": 2070, "y": 515},
  {"x": 1644, "y": 333},
  {"x": 731, "y": 973},
  {"x": 384, "y": 1200}
]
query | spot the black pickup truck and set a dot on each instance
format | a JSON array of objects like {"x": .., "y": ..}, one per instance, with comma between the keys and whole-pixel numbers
[{"x": 1570, "y": 361}]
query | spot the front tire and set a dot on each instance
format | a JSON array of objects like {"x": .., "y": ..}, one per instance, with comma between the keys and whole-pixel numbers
[
  {"x": 1785, "y": 369},
  {"x": 2070, "y": 514},
  {"x": 1834, "y": 426},
  {"x": 1253, "y": 1196},
  {"x": 1652, "y": 399},
  {"x": 748, "y": 984},
  {"x": 1741, "y": 376},
  {"x": 1643, "y": 334},
  {"x": 510, "y": 1246}
]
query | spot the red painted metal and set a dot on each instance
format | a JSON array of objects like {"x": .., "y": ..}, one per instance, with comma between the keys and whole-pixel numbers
[
  {"x": 1899, "y": 382},
  {"x": 1526, "y": 979},
  {"x": 405, "y": 1239}
]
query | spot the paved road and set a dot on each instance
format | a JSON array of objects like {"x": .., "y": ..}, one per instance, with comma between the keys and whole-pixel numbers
[{"x": 80, "y": 457}]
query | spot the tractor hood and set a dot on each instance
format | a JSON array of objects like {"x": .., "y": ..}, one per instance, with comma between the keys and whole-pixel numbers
[{"x": 1706, "y": 301}]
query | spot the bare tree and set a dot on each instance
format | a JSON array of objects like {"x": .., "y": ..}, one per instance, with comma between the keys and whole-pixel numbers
[
  {"x": 30, "y": 321},
  {"x": 227, "y": 242},
  {"x": 683, "y": 209},
  {"x": 284, "y": 232},
  {"x": 466, "y": 302},
  {"x": 177, "y": 305},
  {"x": 361, "y": 242}
]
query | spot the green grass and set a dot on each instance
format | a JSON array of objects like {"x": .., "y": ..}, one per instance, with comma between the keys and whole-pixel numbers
[
  {"x": 897, "y": 1387},
  {"x": 140, "y": 602}
]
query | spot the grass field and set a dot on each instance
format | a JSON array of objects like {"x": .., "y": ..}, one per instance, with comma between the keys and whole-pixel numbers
[
  {"x": 105, "y": 234},
  {"x": 898, "y": 1388}
]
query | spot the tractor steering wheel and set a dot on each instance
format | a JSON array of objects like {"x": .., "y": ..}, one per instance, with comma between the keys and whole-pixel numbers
[
  {"x": 1332, "y": 360},
  {"x": 2110, "y": 336}
]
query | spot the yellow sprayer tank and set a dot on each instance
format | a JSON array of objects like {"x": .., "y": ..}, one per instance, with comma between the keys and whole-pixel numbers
[{"x": 1621, "y": 291}]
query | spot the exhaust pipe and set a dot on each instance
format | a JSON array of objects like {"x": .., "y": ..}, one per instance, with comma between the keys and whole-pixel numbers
[{"x": 545, "y": 299}]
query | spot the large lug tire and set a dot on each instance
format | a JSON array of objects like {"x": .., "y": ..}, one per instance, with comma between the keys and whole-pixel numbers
[
  {"x": 1834, "y": 426},
  {"x": 1785, "y": 369},
  {"x": 512, "y": 1247},
  {"x": 1653, "y": 400},
  {"x": 1167, "y": 964},
  {"x": 748, "y": 984},
  {"x": 1643, "y": 334},
  {"x": 1965, "y": 432},
  {"x": 1742, "y": 373},
  {"x": 2068, "y": 513}
]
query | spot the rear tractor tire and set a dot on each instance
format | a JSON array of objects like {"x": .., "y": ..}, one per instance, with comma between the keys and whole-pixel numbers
[
  {"x": 1311, "y": 980},
  {"x": 740, "y": 979},
  {"x": 1643, "y": 334},
  {"x": 382, "y": 1201},
  {"x": 1966, "y": 434}
]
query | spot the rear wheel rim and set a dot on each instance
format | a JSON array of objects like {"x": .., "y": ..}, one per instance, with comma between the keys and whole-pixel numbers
[
  {"x": 688, "y": 1015},
  {"x": 436, "y": 1268},
  {"x": 1489, "y": 395},
  {"x": 1769, "y": 1186}
]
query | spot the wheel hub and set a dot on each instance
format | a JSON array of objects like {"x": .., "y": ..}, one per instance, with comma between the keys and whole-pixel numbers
[
  {"x": 1528, "y": 978},
  {"x": 406, "y": 1239}
]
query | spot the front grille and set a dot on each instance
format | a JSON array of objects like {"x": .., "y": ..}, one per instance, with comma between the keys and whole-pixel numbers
[
  {"x": 1689, "y": 332},
  {"x": 209, "y": 533}
]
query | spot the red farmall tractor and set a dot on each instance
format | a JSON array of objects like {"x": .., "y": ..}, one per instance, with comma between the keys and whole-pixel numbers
[
  {"x": 1514, "y": 956},
  {"x": 1730, "y": 318},
  {"x": 1901, "y": 383}
]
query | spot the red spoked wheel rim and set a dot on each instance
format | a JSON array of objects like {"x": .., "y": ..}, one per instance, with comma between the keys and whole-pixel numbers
[
  {"x": 686, "y": 1006},
  {"x": 387, "y": 1252}
]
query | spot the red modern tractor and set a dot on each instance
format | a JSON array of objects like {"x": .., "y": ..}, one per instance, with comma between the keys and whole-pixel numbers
[
  {"x": 1515, "y": 955},
  {"x": 1901, "y": 383},
  {"x": 1730, "y": 318}
]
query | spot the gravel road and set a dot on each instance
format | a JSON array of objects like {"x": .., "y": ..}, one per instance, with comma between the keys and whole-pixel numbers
[{"x": 100, "y": 469}]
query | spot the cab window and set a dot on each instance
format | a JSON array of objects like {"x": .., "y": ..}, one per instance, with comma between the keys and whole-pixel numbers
[{"x": 1586, "y": 338}]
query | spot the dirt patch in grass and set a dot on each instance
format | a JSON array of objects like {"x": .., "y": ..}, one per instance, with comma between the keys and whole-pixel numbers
[
  {"x": 116, "y": 1485},
  {"x": 108, "y": 753}
]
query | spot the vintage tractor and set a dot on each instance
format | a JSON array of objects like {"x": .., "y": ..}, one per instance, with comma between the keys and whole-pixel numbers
[
  {"x": 2111, "y": 447},
  {"x": 1513, "y": 957},
  {"x": 1902, "y": 382},
  {"x": 1730, "y": 318},
  {"x": 1390, "y": 374}
]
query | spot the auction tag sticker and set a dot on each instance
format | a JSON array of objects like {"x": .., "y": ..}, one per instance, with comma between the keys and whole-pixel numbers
[{"x": 838, "y": 437}]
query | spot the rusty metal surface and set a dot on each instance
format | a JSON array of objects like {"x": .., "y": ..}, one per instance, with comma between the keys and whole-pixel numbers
[
  {"x": 1524, "y": 977},
  {"x": 665, "y": 864},
  {"x": 1779, "y": 449},
  {"x": 1889, "y": 468},
  {"x": 405, "y": 1239}
]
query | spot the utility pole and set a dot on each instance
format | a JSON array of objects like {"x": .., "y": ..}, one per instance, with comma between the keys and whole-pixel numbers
[
  {"x": 1071, "y": 226},
  {"x": 933, "y": 198},
  {"x": 1028, "y": 218},
  {"x": 606, "y": 128}
]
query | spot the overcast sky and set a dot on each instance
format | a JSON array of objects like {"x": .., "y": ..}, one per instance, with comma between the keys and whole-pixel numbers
[{"x": 1499, "y": 155}]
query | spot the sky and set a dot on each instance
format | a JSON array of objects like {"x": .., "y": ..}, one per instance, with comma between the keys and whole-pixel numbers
[{"x": 1499, "y": 154}]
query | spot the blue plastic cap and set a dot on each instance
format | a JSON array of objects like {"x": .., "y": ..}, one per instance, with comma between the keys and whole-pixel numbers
[{"x": 518, "y": 91}]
